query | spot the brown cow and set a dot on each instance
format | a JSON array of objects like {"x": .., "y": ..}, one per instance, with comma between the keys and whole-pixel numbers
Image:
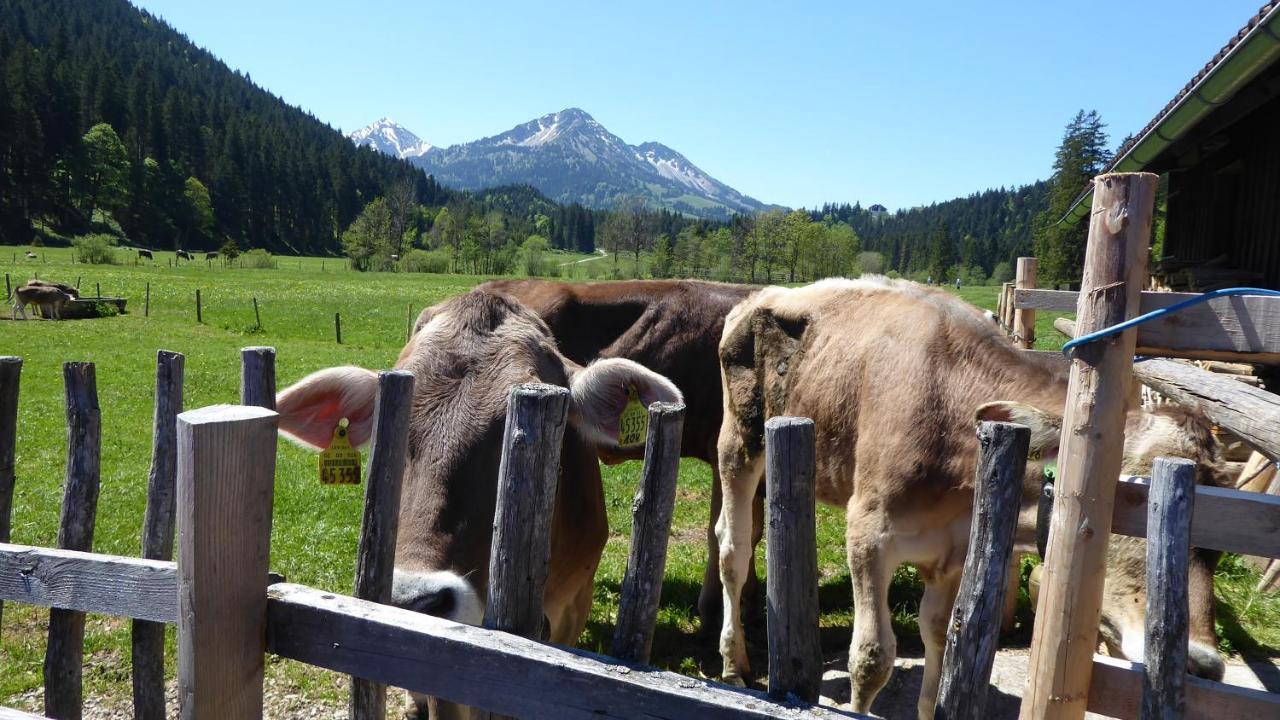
[
  {"x": 894, "y": 374},
  {"x": 669, "y": 326},
  {"x": 45, "y": 283},
  {"x": 48, "y": 299},
  {"x": 465, "y": 354}
]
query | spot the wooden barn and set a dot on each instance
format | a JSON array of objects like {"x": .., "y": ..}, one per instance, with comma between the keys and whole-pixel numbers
[{"x": 1217, "y": 146}]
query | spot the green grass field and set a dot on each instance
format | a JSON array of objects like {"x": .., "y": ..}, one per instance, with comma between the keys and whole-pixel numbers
[{"x": 315, "y": 527}]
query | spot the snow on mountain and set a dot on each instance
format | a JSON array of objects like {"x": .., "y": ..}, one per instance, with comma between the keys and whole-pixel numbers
[{"x": 390, "y": 138}]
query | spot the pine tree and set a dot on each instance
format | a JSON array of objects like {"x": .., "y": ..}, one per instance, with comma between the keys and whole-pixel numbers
[{"x": 1083, "y": 154}]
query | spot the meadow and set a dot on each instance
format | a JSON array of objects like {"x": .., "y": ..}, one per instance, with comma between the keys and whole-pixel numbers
[{"x": 315, "y": 527}]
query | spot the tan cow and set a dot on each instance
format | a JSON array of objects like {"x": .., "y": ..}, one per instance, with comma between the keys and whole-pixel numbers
[
  {"x": 47, "y": 299},
  {"x": 465, "y": 354},
  {"x": 894, "y": 375}
]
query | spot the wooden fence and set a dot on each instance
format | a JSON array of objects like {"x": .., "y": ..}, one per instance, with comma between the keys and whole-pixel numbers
[
  {"x": 1065, "y": 677},
  {"x": 212, "y": 478}
]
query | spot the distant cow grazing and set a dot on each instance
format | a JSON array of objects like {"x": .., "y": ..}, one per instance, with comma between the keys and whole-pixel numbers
[
  {"x": 465, "y": 354},
  {"x": 894, "y": 376},
  {"x": 145, "y": 254},
  {"x": 182, "y": 255},
  {"x": 48, "y": 299},
  {"x": 211, "y": 255},
  {"x": 671, "y": 327},
  {"x": 31, "y": 255}
]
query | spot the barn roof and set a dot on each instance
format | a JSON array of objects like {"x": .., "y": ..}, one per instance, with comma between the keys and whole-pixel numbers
[{"x": 1250, "y": 51}]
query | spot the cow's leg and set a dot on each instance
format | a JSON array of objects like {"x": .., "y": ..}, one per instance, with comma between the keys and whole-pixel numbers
[
  {"x": 739, "y": 480},
  {"x": 710, "y": 599},
  {"x": 935, "y": 614},
  {"x": 1008, "y": 619},
  {"x": 873, "y": 648}
]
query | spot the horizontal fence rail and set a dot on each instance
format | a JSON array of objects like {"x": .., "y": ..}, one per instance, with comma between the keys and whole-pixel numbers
[
  {"x": 493, "y": 670},
  {"x": 1223, "y": 519},
  {"x": 1116, "y": 691},
  {"x": 89, "y": 582}
]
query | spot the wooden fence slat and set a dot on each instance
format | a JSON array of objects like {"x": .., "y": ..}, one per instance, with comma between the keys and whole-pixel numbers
[
  {"x": 10, "y": 377},
  {"x": 89, "y": 582},
  {"x": 1024, "y": 319},
  {"x": 1224, "y": 519},
  {"x": 1070, "y": 601},
  {"x": 496, "y": 671},
  {"x": 258, "y": 377},
  {"x": 795, "y": 653},
  {"x": 157, "y": 531},
  {"x": 1169, "y": 509},
  {"x": 975, "y": 622},
  {"x": 1251, "y": 413},
  {"x": 527, "y": 477},
  {"x": 651, "y": 513},
  {"x": 64, "y": 653},
  {"x": 1116, "y": 691},
  {"x": 375, "y": 557},
  {"x": 226, "y": 468}
]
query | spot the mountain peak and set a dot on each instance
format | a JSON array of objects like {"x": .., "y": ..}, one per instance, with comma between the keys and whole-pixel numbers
[{"x": 390, "y": 138}]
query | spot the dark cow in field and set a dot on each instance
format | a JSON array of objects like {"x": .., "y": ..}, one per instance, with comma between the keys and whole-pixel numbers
[
  {"x": 465, "y": 354},
  {"x": 671, "y": 327},
  {"x": 144, "y": 254},
  {"x": 182, "y": 255},
  {"x": 894, "y": 376},
  {"x": 211, "y": 256}
]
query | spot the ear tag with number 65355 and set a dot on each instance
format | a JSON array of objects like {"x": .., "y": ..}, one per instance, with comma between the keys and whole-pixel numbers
[
  {"x": 340, "y": 463},
  {"x": 633, "y": 426}
]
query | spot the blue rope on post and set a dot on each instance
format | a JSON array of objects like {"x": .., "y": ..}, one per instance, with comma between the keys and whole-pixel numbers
[{"x": 1069, "y": 349}]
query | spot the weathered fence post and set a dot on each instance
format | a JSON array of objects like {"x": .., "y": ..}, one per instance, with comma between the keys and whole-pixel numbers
[
  {"x": 8, "y": 289},
  {"x": 527, "y": 477},
  {"x": 10, "y": 374},
  {"x": 257, "y": 319},
  {"x": 337, "y": 326},
  {"x": 199, "y": 316},
  {"x": 146, "y": 308},
  {"x": 1169, "y": 509},
  {"x": 1070, "y": 602},
  {"x": 258, "y": 377},
  {"x": 97, "y": 289},
  {"x": 795, "y": 654},
  {"x": 63, "y": 656},
  {"x": 157, "y": 531},
  {"x": 651, "y": 512},
  {"x": 975, "y": 620},
  {"x": 1006, "y": 317},
  {"x": 1024, "y": 321},
  {"x": 226, "y": 468},
  {"x": 375, "y": 557}
]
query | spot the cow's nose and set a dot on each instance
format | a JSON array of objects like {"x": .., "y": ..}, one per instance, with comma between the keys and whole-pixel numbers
[
  {"x": 1205, "y": 662},
  {"x": 439, "y": 602}
]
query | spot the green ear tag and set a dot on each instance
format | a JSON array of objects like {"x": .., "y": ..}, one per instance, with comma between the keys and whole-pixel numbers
[
  {"x": 633, "y": 426},
  {"x": 339, "y": 463},
  {"x": 1051, "y": 471}
]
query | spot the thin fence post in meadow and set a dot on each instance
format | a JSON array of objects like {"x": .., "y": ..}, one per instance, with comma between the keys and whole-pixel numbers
[
  {"x": 408, "y": 321},
  {"x": 97, "y": 290},
  {"x": 8, "y": 289},
  {"x": 10, "y": 375},
  {"x": 146, "y": 308},
  {"x": 77, "y": 282},
  {"x": 795, "y": 653},
  {"x": 527, "y": 477},
  {"x": 65, "y": 650},
  {"x": 1169, "y": 509},
  {"x": 337, "y": 326},
  {"x": 258, "y": 377},
  {"x": 199, "y": 316},
  {"x": 375, "y": 557},
  {"x": 157, "y": 531},
  {"x": 257, "y": 319},
  {"x": 226, "y": 469},
  {"x": 651, "y": 512},
  {"x": 974, "y": 629}
]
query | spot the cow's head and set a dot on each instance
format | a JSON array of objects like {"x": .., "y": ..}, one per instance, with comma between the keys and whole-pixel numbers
[
  {"x": 465, "y": 355},
  {"x": 1165, "y": 432}
]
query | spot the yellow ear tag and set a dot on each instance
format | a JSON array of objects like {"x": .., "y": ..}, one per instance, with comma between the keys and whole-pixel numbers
[
  {"x": 633, "y": 426},
  {"x": 340, "y": 463},
  {"x": 1034, "y": 454}
]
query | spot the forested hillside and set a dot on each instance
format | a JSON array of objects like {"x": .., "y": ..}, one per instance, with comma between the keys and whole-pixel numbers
[
  {"x": 196, "y": 153},
  {"x": 980, "y": 231}
]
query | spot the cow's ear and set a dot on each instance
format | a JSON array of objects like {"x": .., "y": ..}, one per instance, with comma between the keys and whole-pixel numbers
[
  {"x": 1046, "y": 427},
  {"x": 600, "y": 392},
  {"x": 311, "y": 408}
]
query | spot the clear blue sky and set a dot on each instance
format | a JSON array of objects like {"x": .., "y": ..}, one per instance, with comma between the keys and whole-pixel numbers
[{"x": 901, "y": 103}]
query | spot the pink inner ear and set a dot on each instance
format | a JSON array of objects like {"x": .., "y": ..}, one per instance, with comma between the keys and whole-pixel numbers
[{"x": 995, "y": 414}]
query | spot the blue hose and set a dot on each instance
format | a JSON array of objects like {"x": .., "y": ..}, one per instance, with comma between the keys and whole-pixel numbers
[{"x": 1071, "y": 346}]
